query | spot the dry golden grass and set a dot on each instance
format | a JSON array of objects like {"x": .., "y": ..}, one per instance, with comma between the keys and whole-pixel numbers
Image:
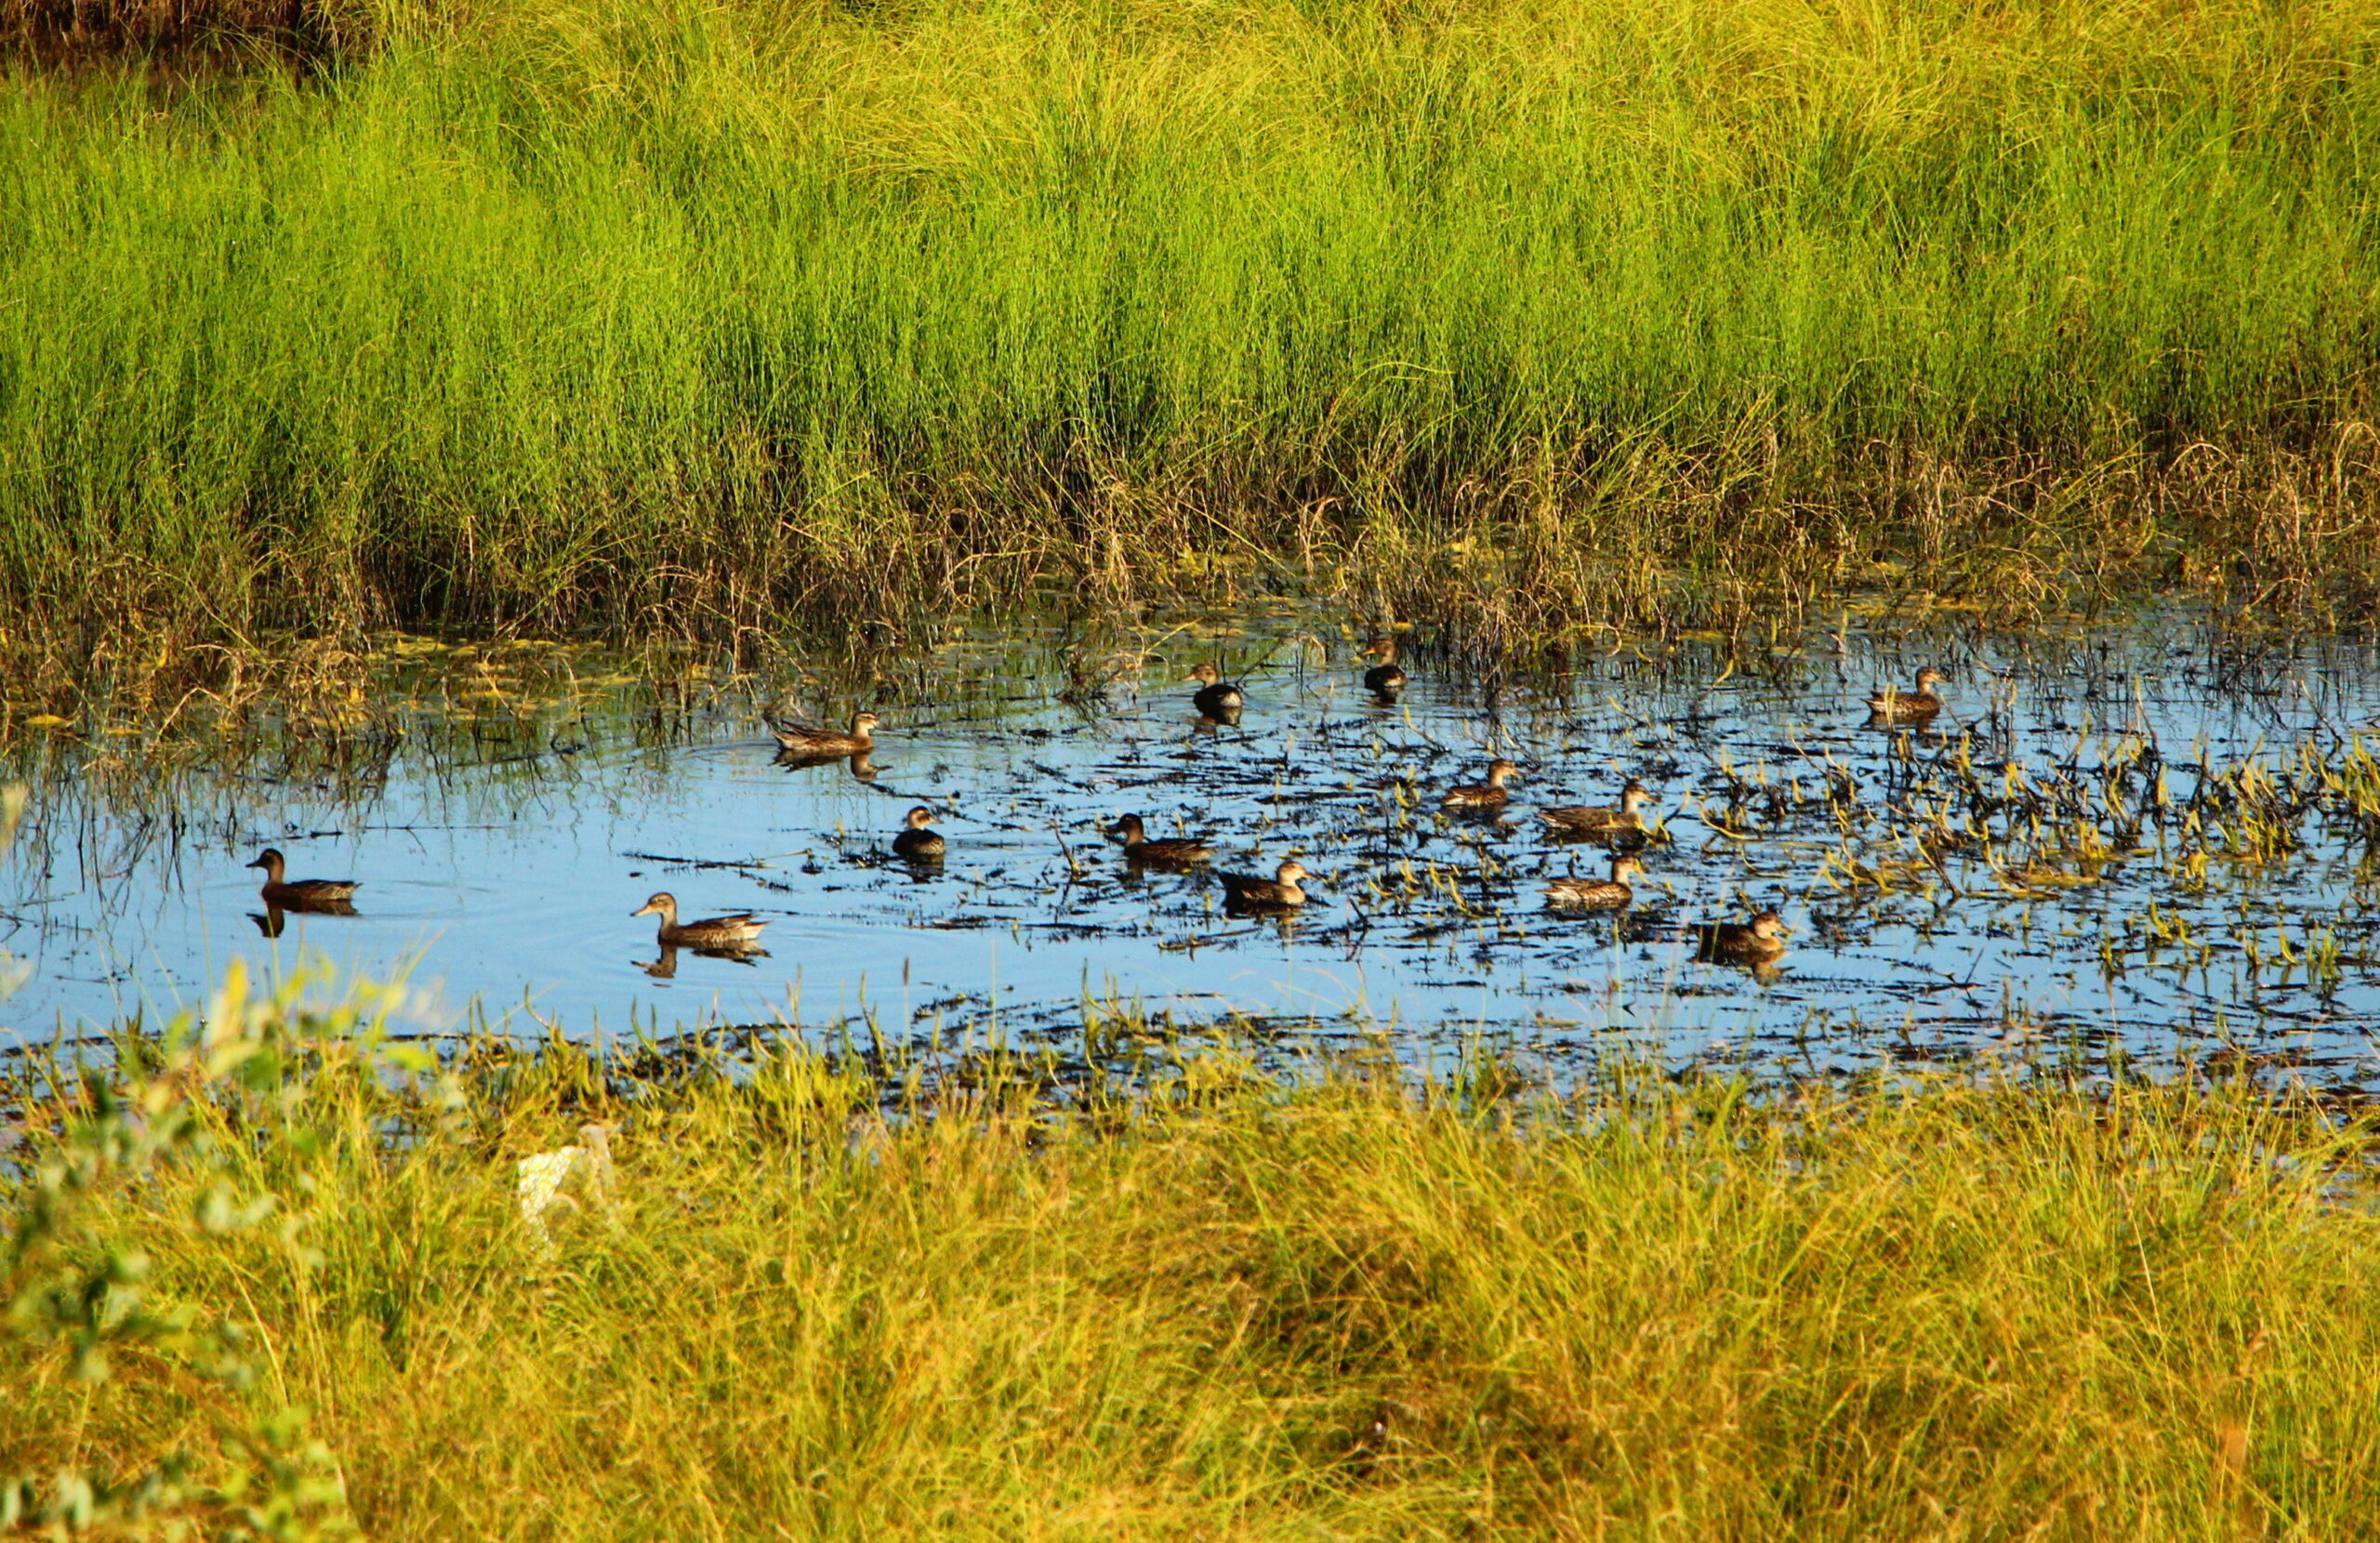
[{"x": 1203, "y": 1304}]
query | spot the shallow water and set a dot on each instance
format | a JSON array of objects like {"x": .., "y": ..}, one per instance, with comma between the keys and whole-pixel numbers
[{"x": 502, "y": 844}]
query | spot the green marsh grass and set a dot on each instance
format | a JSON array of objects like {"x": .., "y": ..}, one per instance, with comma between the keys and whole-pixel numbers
[
  {"x": 1198, "y": 1302},
  {"x": 557, "y": 314}
]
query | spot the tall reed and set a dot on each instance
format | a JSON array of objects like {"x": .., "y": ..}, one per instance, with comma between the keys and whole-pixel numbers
[{"x": 558, "y": 312}]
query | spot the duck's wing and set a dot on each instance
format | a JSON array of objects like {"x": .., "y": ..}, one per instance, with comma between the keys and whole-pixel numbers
[{"x": 806, "y": 736}]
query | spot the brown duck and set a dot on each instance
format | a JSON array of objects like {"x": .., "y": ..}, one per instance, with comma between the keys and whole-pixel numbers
[
  {"x": 1163, "y": 851},
  {"x": 1283, "y": 890},
  {"x": 1602, "y": 819},
  {"x": 1898, "y": 706},
  {"x": 1487, "y": 795},
  {"x": 919, "y": 840},
  {"x": 1216, "y": 695},
  {"x": 1757, "y": 941},
  {"x": 740, "y": 930},
  {"x": 804, "y": 740},
  {"x": 1597, "y": 894},
  {"x": 301, "y": 893},
  {"x": 1383, "y": 679}
]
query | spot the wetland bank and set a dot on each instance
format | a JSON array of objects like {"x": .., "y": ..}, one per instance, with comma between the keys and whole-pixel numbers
[{"x": 437, "y": 444}]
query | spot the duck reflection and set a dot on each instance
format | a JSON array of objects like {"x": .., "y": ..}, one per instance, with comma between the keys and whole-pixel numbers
[
  {"x": 863, "y": 765},
  {"x": 666, "y": 966},
  {"x": 276, "y": 919}
]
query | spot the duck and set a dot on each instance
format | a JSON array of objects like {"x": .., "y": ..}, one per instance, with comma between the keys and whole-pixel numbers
[
  {"x": 298, "y": 894},
  {"x": 1173, "y": 852},
  {"x": 1383, "y": 679},
  {"x": 1216, "y": 695},
  {"x": 1487, "y": 795},
  {"x": 1899, "y": 706},
  {"x": 1757, "y": 941},
  {"x": 1245, "y": 892},
  {"x": 804, "y": 740},
  {"x": 1602, "y": 819},
  {"x": 920, "y": 840},
  {"x": 1597, "y": 894},
  {"x": 738, "y": 931}
]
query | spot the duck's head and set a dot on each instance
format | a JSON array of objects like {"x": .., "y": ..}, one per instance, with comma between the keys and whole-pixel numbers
[
  {"x": 664, "y": 905},
  {"x": 1126, "y": 828},
  {"x": 1929, "y": 678},
  {"x": 1291, "y": 872},
  {"x": 1625, "y": 868},
  {"x": 1208, "y": 674},
  {"x": 1382, "y": 648},
  {"x": 862, "y": 722},
  {"x": 270, "y": 860},
  {"x": 1500, "y": 771},
  {"x": 1769, "y": 926},
  {"x": 921, "y": 817},
  {"x": 1635, "y": 796}
]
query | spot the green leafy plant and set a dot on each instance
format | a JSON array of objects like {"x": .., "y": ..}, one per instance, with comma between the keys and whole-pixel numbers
[{"x": 218, "y": 1112}]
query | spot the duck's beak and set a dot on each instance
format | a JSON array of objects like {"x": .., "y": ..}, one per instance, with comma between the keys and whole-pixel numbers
[
  {"x": 260, "y": 863},
  {"x": 640, "y": 911}
]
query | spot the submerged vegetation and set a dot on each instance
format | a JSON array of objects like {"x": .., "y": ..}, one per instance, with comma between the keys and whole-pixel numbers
[
  {"x": 556, "y": 314},
  {"x": 280, "y": 1277}
]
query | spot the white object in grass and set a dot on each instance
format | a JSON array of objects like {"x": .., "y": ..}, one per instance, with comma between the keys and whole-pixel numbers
[{"x": 544, "y": 1175}]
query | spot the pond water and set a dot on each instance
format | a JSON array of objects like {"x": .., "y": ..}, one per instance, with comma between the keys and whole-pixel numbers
[{"x": 2144, "y": 838}]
